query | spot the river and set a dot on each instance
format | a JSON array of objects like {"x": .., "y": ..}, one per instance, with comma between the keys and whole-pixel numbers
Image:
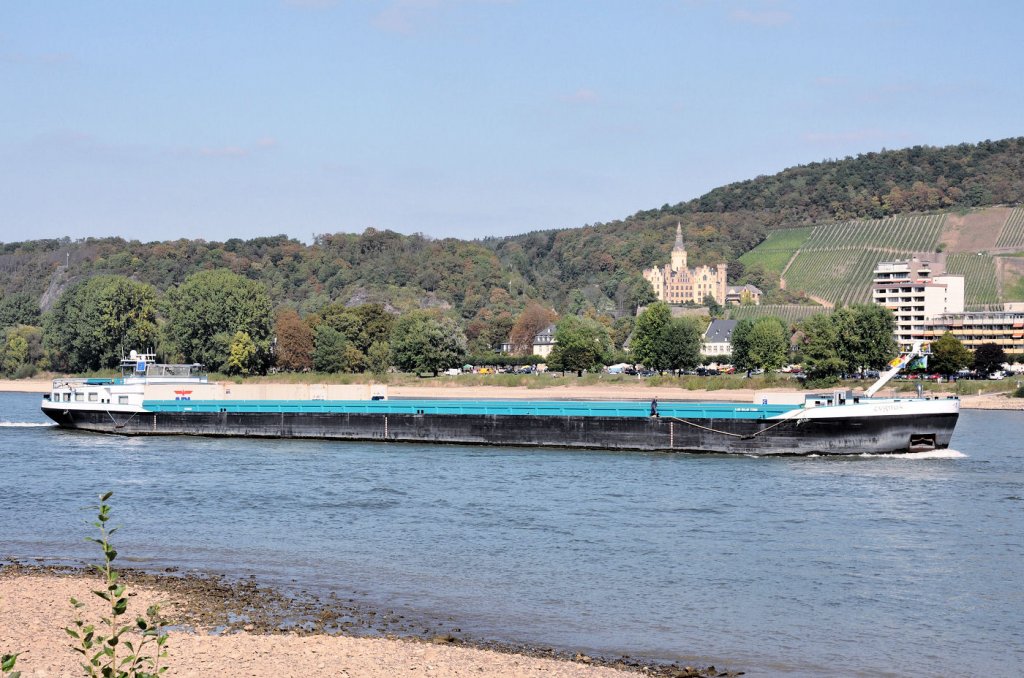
[{"x": 868, "y": 566}]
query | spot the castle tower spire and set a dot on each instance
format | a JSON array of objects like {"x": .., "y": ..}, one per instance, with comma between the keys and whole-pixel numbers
[{"x": 679, "y": 250}]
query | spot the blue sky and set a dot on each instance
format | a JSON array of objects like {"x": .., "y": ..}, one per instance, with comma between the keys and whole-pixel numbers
[{"x": 464, "y": 118}]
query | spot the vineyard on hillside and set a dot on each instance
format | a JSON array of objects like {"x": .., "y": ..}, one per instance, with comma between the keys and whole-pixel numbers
[
  {"x": 979, "y": 273},
  {"x": 789, "y": 313},
  {"x": 1012, "y": 234},
  {"x": 776, "y": 250},
  {"x": 903, "y": 235},
  {"x": 840, "y": 276},
  {"x": 835, "y": 261}
]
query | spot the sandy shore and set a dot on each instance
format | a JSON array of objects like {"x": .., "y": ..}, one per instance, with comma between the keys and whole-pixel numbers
[
  {"x": 570, "y": 390},
  {"x": 34, "y": 610},
  {"x": 24, "y": 385}
]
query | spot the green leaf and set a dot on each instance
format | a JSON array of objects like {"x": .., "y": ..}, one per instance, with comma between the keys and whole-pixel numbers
[
  {"x": 7, "y": 661},
  {"x": 107, "y": 496}
]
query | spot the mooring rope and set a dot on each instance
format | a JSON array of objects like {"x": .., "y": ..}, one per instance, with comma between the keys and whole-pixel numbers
[
  {"x": 788, "y": 417},
  {"x": 126, "y": 421}
]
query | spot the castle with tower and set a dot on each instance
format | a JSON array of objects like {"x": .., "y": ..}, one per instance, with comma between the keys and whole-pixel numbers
[{"x": 675, "y": 283}]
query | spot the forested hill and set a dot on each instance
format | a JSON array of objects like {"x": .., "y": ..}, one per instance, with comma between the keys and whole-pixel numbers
[
  {"x": 728, "y": 221},
  {"x": 573, "y": 269}
]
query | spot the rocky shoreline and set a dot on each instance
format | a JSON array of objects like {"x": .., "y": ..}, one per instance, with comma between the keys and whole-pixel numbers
[{"x": 217, "y": 606}]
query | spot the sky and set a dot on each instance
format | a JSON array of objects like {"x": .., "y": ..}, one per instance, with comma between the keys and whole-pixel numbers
[{"x": 464, "y": 118}]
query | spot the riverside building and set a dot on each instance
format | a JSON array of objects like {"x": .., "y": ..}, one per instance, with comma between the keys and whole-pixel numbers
[
  {"x": 1004, "y": 328},
  {"x": 916, "y": 291}
]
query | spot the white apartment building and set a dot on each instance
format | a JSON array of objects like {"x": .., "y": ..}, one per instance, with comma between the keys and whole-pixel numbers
[{"x": 915, "y": 292}]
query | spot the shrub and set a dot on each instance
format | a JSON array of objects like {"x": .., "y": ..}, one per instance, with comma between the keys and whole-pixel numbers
[{"x": 99, "y": 646}]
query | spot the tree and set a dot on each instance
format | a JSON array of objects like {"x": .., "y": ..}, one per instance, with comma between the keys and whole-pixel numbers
[
  {"x": 242, "y": 354},
  {"x": 422, "y": 342},
  {"x": 294, "y": 345},
  {"x": 378, "y": 358},
  {"x": 362, "y": 325},
  {"x": 766, "y": 344},
  {"x": 209, "y": 308},
  {"x": 15, "y": 354},
  {"x": 989, "y": 358},
  {"x": 714, "y": 308},
  {"x": 646, "y": 344},
  {"x": 329, "y": 352},
  {"x": 681, "y": 340},
  {"x": 949, "y": 355},
  {"x": 580, "y": 344},
  {"x": 96, "y": 322},
  {"x": 621, "y": 328},
  {"x": 530, "y": 322},
  {"x": 865, "y": 336},
  {"x": 489, "y": 329},
  {"x": 740, "y": 358},
  {"x": 22, "y": 352},
  {"x": 18, "y": 309},
  {"x": 820, "y": 344}
]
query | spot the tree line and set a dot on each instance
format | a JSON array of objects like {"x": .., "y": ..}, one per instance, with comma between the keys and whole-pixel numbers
[{"x": 228, "y": 323}]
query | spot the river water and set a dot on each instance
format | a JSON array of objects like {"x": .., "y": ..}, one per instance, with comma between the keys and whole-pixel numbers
[{"x": 909, "y": 565}]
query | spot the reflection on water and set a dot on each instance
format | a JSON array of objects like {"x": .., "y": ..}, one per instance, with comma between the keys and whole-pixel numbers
[{"x": 900, "y": 565}]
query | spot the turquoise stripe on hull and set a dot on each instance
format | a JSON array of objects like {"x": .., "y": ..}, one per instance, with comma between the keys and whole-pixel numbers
[{"x": 551, "y": 408}]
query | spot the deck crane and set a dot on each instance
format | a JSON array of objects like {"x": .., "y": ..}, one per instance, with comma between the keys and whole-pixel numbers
[{"x": 917, "y": 349}]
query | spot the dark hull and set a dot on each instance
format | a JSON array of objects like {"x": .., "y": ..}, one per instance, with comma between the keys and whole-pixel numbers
[{"x": 849, "y": 435}]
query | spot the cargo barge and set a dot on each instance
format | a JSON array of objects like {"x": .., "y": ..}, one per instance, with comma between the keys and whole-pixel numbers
[{"x": 156, "y": 399}]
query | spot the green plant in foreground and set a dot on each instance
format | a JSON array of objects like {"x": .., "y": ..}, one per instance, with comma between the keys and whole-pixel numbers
[
  {"x": 100, "y": 646},
  {"x": 7, "y": 666}
]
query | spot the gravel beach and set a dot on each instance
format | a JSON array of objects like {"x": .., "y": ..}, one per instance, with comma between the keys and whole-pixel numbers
[{"x": 34, "y": 610}]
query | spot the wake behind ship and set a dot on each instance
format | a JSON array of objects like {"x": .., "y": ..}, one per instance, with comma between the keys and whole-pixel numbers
[{"x": 157, "y": 399}]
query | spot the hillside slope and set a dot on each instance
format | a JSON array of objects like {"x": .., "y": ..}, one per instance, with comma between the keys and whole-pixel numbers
[
  {"x": 598, "y": 266},
  {"x": 834, "y": 261}
]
